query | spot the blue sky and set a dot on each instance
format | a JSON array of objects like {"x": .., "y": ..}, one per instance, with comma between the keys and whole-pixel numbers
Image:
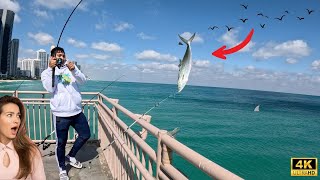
[{"x": 140, "y": 39}]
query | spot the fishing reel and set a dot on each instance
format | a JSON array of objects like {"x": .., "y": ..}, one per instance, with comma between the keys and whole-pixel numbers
[{"x": 59, "y": 62}]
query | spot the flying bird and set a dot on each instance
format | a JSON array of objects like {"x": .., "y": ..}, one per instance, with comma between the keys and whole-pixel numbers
[
  {"x": 229, "y": 28},
  {"x": 262, "y": 25},
  {"x": 310, "y": 11},
  {"x": 300, "y": 18},
  {"x": 212, "y": 28},
  {"x": 180, "y": 43},
  {"x": 280, "y": 19},
  {"x": 244, "y": 20},
  {"x": 245, "y": 6},
  {"x": 260, "y": 14}
]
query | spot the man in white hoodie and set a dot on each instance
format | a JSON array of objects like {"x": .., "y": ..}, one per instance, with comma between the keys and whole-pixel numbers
[{"x": 66, "y": 107}]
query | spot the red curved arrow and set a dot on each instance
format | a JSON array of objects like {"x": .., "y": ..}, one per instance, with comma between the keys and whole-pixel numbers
[{"x": 220, "y": 53}]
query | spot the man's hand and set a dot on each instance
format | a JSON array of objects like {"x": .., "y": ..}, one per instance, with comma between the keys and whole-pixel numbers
[
  {"x": 71, "y": 66},
  {"x": 53, "y": 62}
]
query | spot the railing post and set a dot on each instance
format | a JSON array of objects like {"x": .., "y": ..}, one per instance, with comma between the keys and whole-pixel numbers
[
  {"x": 144, "y": 133},
  {"x": 114, "y": 109},
  {"x": 159, "y": 151},
  {"x": 15, "y": 93},
  {"x": 166, "y": 155}
]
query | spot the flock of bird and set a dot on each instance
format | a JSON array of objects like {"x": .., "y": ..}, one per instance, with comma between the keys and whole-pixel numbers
[{"x": 309, "y": 12}]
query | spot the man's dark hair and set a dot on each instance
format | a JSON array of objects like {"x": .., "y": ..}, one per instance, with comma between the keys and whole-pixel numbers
[{"x": 55, "y": 50}]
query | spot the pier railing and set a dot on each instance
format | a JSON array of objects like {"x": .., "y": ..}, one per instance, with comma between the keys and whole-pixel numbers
[{"x": 127, "y": 153}]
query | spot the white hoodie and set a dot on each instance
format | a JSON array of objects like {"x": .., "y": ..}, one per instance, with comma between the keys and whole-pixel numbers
[{"x": 66, "y": 98}]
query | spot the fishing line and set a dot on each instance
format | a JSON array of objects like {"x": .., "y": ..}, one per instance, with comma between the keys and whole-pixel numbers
[
  {"x": 154, "y": 106},
  {"x": 17, "y": 88}
]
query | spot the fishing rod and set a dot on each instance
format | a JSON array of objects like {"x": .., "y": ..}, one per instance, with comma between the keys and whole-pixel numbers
[
  {"x": 65, "y": 24},
  {"x": 45, "y": 146}
]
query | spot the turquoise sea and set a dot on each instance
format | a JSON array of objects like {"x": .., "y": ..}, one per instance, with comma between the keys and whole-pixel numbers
[{"x": 220, "y": 124}]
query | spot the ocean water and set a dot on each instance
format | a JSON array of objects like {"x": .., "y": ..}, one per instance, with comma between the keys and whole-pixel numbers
[{"x": 220, "y": 124}]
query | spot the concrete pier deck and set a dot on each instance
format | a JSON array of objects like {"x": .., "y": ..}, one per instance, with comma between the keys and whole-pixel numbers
[{"x": 93, "y": 168}]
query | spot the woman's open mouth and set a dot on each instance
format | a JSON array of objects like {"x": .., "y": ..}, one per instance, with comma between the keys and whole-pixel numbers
[{"x": 14, "y": 130}]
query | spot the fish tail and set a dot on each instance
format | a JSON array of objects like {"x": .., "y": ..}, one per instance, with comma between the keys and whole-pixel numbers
[{"x": 187, "y": 41}]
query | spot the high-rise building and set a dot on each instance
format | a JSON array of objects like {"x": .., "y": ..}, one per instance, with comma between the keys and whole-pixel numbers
[
  {"x": 42, "y": 56},
  {"x": 32, "y": 65},
  {"x": 7, "y": 18},
  {"x": 12, "y": 65}
]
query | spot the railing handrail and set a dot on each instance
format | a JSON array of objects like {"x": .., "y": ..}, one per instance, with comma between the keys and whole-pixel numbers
[
  {"x": 42, "y": 92},
  {"x": 199, "y": 161},
  {"x": 145, "y": 147}
]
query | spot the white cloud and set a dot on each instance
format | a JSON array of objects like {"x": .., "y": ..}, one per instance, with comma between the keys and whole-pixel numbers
[
  {"x": 151, "y": 55},
  {"x": 93, "y": 56},
  {"x": 123, "y": 26},
  {"x": 201, "y": 63},
  {"x": 197, "y": 38},
  {"x": 145, "y": 36},
  {"x": 101, "y": 16},
  {"x": 17, "y": 18},
  {"x": 100, "y": 56},
  {"x": 289, "y": 49},
  {"x": 76, "y": 43},
  {"x": 250, "y": 68},
  {"x": 42, "y": 14},
  {"x": 147, "y": 71},
  {"x": 60, "y": 4},
  {"x": 291, "y": 61},
  {"x": 315, "y": 79},
  {"x": 108, "y": 47},
  {"x": 10, "y": 5},
  {"x": 100, "y": 26},
  {"x": 27, "y": 53},
  {"x": 13, "y": 6},
  {"x": 82, "y": 56},
  {"x": 215, "y": 75},
  {"x": 316, "y": 65},
  {"x": 151, "y": 67},
  {"x": 41, "y": 38},
  {"x": 231, "y": 39}
]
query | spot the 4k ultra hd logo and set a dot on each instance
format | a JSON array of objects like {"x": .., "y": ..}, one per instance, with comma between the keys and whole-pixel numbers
[{"x": 304, "y": 167}]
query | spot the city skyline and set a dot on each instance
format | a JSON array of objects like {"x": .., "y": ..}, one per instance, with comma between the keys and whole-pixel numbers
[{"x": 110, "y": 38}]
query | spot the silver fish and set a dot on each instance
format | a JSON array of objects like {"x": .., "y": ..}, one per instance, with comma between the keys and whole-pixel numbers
[{"x": 185, "y": 64}]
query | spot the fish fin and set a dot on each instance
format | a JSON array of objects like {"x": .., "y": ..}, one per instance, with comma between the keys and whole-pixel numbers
[
  {"x": 183, "y": 39},
  {"x": 192, "y": 37}
]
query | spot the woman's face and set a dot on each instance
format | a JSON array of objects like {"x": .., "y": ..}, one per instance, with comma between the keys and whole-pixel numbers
[{"x": 9, "y": 122}]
